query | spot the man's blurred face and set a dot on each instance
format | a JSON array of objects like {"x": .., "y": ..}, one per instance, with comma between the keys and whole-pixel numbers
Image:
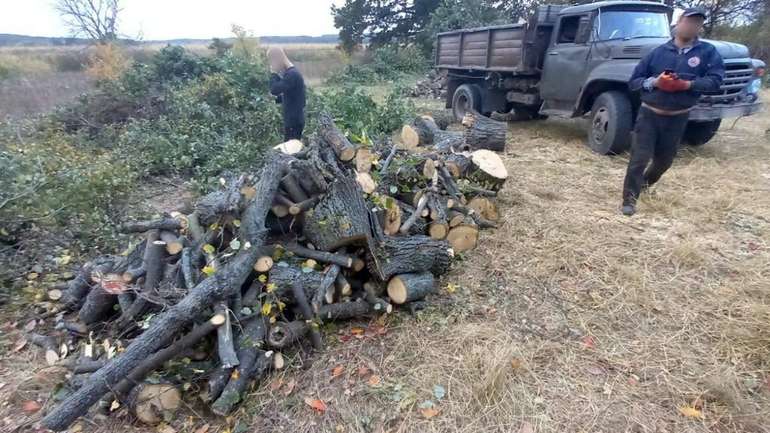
[{"x": 689, "y": 27}]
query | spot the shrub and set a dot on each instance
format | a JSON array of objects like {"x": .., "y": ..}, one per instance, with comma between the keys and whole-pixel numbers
[
  {"x": 53, "y": 183},
  {"x": 107, "y": 62},
  {"x": 356, "y": 111},
  {"x": 387, "y": 63}
]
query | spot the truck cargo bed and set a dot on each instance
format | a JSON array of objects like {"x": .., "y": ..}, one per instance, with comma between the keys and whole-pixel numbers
[
  {"x": 517, "y": 48},
  {"x": 498, "y": 48}
]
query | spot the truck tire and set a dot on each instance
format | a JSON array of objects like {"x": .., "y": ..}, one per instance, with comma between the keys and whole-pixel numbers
[
  {"x": 700, "y": 133},
  {"x": 466, "y": 98},
  {"x": 611, "y": 120}
]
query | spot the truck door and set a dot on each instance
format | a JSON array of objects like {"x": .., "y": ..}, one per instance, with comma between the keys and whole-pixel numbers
[{"x": 566, "y": 62}]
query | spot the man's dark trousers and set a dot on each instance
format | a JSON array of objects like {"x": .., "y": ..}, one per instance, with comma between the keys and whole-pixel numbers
[
  {"x": 293, "y": 131},
  {"x": 656, "y": 138}
]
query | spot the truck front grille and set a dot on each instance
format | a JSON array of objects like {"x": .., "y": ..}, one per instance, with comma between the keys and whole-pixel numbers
[{"x": 737, "y": 77}]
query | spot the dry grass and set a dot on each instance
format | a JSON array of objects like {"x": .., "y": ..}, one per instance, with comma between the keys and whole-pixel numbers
[{"x": 569, "y": 317}]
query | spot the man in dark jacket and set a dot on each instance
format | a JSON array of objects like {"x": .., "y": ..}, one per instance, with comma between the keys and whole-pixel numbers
[
  {"x": 671, "y": 79},
  {"x": 287, "y": 85}
]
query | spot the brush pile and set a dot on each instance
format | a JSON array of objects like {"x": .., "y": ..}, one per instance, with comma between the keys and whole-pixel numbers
[
  {"x": 325, "y": 232},
  {"x": 432, "y": 86}
]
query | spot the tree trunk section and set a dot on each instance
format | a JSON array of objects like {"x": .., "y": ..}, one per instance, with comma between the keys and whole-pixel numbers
[
  {"x": 285, "y": 334},
  {"x": 400, "y": 255},
  {"x": 484, "y": 133},
  {"x": 410, "y": 287},
  {"x": 339, "y": 219},
  {"x": 332, "y": 136}
]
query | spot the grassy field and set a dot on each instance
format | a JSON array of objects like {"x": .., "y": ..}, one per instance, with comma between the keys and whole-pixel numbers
[
  {"x": 567, "y": 318},
  {"x": 34, "y": 80}
]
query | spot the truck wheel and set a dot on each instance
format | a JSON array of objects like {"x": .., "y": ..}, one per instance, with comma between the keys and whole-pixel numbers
[
  {"x": 699, "y": 133},
  {"x": 466, "y": 98},
  {"x": 611, "y": 121}
]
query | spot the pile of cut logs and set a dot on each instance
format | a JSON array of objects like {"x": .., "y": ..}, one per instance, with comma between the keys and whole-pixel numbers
[
  {"x": 432, "y": 86},
  {"x": 325, "y": 232}
]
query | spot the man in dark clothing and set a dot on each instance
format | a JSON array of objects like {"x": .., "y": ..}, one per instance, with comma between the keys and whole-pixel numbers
[
  {"x": 287, "y": 85},
  {"x": 671, "y": 79}
]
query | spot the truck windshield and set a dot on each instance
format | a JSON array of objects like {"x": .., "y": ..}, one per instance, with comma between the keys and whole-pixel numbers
[{"x": 633, "y": 24}]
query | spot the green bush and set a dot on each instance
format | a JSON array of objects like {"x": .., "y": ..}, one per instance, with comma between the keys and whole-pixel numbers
[
  {"x": 387, "y": 63},
  {"x": 52, "y": 183},
  {"x": 355, "y": 111}
]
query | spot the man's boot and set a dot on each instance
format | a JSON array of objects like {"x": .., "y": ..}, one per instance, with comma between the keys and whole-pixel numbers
[{"x": 628, "y": 209}]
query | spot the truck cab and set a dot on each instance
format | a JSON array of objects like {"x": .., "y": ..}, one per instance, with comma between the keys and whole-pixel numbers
[{"x": 576, "y": 61}]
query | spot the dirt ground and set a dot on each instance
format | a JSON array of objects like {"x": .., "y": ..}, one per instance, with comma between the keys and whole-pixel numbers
[{"x": 567, "y": 318}]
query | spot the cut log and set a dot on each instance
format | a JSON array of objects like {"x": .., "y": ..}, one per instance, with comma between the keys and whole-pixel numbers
[
  {"x": 86, "y": 365},
  {"x": 290, "y": 147},
  {"x": 280, "y": 210},
  {"x": 484, "y": 133},
  {"x": 217, "y": 383},
  {"x": 263, "y": 264},
  {"x": 364, "y": 158},
  {"x": 342, "y": 286},
  {"x": 160, "y": 224},
  {"x": 221, "y": 202},
  {"x": 391, "y": 216},
  {"x": 194, "y": 229},
  {"x": 345, "y": 310},
  {"x": 157, "y": 359},
  {"x": 463, "y": 237},
  {"x": 407, "y": 254},
  {"x": 421, "y": 131},
  {"x": 283, "y": 276},
  {"x": 322, "y": 256},
  {"x": 442, "y": 118},
  {"x": 368, "y": 185},
  {"x": 78, "y": 287},
  {"x": 98, "y": 305},
  {"x": 458, "y": 164},
  {"x": 449, "y": 141},
  {"x": 303, "y": 206},
  {"x": 174, "y": 244},
  {"x": 154, "y": 402},
  {"x": 46, "y": 342},
  {"x": 285, "y": 334},
  {"x": 340, "y": 218},
  {"x": 255, "y": 362},
  {"x": 427, "y": 167},
  {"x": 225, "y": 344},
  {"x": 154, "y": 267},
  {"x": 188, "y": 269},
  {"x": 327, "y": 284},
  {"x": 54, "y": 294},
  {"x": 171, "y": 321},
  {"x": 378, "y": 304},
  {"x": 485, "y": 208},
  {"x": 421, "y": 206},
  {"x": 490, "y": 169},
  {"x": 410, "y": 287},
  {"x": 307, "y": 313},
  {"x": 292, "y": 188},
  {"x": 333, "y": 137}
]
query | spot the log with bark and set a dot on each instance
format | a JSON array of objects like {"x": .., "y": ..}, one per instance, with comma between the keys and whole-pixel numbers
[{"x": 484, "y": 133}]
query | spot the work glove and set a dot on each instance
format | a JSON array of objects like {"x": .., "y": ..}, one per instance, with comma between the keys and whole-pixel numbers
[{"x": 669, "y": 82}]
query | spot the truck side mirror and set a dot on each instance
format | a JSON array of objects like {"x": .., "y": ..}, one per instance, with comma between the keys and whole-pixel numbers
[{"x": 584, "y": 30}]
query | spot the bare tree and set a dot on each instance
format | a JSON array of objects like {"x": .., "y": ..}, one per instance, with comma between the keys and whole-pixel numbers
[{"x": 97, "y": 19}]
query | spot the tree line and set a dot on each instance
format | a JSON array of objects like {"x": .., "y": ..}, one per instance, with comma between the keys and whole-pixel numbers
[{"x": 403, "y": 22}]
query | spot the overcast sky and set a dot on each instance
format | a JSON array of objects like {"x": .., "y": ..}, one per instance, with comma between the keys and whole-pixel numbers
[{"x": 170, "y": 19}]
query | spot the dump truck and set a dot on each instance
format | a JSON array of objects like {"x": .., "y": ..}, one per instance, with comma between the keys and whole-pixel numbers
[{"x": 576, "y": 61}]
